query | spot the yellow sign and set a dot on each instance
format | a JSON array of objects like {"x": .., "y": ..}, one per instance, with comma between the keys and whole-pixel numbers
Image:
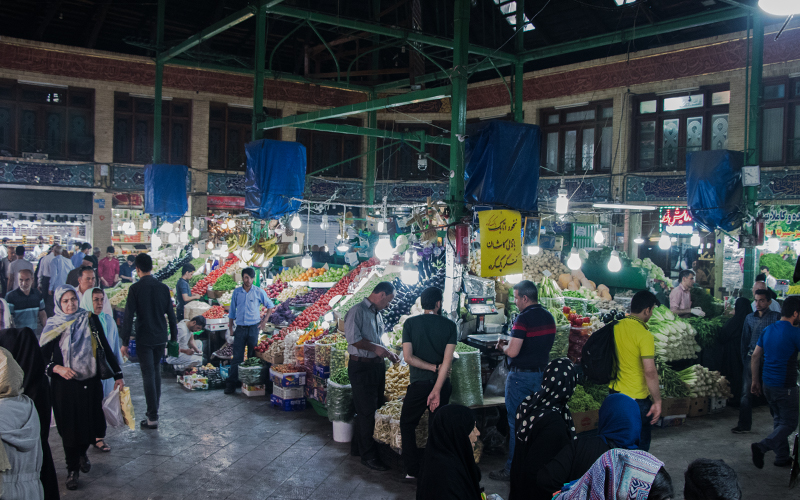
[{"x": 501, "y": 248}]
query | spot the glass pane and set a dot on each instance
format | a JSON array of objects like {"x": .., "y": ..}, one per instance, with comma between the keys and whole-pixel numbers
[
  {"x": 772, "y": 135},
  {"x": 606, "y": 148},
  {"x": 552, "y": 119},
  {"x": 647, "y": 107},
  {"x": 579, "y": 116},
  {"x": 684, "y": 102},
  {"x": 719, "y": 132},
  {"x": 797, "y": 88},
  {"x": 669, "y": 144},
  {"x": 647, "y": 145},
  {"x": 796, "y": 144},
  {"x": 122, "y": 140},
  {"x": 694, "y": 134},
  {"x": 570, "y": 140},
  {"x": 5, "y": 128},
  {"x": 718, "y": 98},
  {"x": 608, "y": 112},
  {"x": 27, "y": 133},
  {"x": 551, "y": 161},
  {"x": 141, "y": 142},
  {"x": 215, "y": 147},
  {"x": 179, "y": 143},
  {"x": 775, "y": 91},
  {"x": 587, "y": 151},
  {"x": 235, "y": 149}
]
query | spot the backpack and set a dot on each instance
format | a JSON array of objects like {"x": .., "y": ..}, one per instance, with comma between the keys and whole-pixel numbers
[{"x": 599, "y": 356}]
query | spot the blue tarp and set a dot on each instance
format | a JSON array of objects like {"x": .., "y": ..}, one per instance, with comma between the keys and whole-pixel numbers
[
  {"x": 276, "y": 171},
  {"x": 502, "y": 165},
  {"x": 714, "y": 188},
  {"x": 165, "y": 191}
]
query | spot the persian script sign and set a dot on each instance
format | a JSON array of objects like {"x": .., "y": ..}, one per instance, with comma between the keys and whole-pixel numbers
[{"x": 501, "y": 249}]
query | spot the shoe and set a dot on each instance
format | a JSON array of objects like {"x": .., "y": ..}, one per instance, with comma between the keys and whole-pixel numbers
[
  {"x": 86, "y": 465},
  {"x": 500, "y": 475},
  {"x": 144, "y": 425},
  {"x": 739, "y": 430},
  {"x": 375, "y": 464},
  {"x": 72, "y": 480},
  {"x": 409, "y": 477},
  {"x": 783, "y": 463},
  {"x": 230, "y": 389},
  {"x": 758, "y": 455}
]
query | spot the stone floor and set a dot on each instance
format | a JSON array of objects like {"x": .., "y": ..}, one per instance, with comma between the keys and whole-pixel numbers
[{"x": 214, "y": 446}]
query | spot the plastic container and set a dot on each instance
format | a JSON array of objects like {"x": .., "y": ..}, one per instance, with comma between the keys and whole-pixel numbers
[
  {"x": 293, "y": 379},
  {"x": 322, "y": 353},
  {"x": 322, "y": 371},
  {"x": 287, "y": 392},
  {"x": 342, "y": 431},
  {"x": 339, "y": 359},
  {"x": 288, "y": 404},
  {"x": 309, "y": 350},
  {"x": 254, "y": 390}
]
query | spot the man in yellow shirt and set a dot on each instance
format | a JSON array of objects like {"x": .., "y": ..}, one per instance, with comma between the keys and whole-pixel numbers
[{"x": 636, "y": 372}]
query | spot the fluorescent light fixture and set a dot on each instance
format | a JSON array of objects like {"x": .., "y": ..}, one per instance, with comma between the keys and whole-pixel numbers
[
  {"x": 780, "y": 7},
  {"x": 678, "y": 91},
  {"x": 685, "y": 230},
  {"x": 243, "y": 106},
  {"x": 575, "y": 105},
  {"x": 146, "y": 96},
  {"x": 502, "y": 115},
  {"x": 42, "y": 84},
  {"x": 623, "y": 206}
]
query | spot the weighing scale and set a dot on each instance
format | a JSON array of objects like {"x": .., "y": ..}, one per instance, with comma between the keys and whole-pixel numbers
[{"x": 480, "y": 307}]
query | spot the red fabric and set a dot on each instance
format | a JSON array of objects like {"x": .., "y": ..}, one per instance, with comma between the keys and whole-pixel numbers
[{"x": 108, "y": 268}]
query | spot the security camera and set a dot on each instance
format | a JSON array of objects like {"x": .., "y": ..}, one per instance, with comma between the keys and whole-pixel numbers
[{"x": 422, "y": 163}]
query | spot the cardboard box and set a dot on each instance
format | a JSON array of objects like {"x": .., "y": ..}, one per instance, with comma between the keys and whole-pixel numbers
[
  {"x": 254, "y": 390},
  {"x": 288, "y": 404},
  {"x": 675, "y": 406},
  {"x": 288, "y": 392},
  {"x": 671, "y": 421},
  {"x": 698, "y": 407},
  {"x": 717, "y": 405},
  {"x": 586, "y": 421}
]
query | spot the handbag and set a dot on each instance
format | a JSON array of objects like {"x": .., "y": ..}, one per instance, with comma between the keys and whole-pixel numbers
[{"x": 103, "y": 367}]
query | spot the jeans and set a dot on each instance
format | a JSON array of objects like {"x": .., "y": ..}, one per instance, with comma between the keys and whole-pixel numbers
[
  {"x": 414, "y": 406},
  {"x": 644, "y": 437},
  {"x": 783, "y": 406},
  {"x": 519, "y": 385},
  {"x": 746, "y": 403},
  {"x": 150, "y": 363},
  {"x": 243, "y": 336},
  {"x": 73, "y": 455},
  {"x": 368, "y": 381}
]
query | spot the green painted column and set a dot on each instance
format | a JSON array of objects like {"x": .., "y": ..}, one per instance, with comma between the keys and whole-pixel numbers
[
  {"x": 519, "y": 44},
  {"x": 458, "y": 114},
  {"x": 753, "y": 146},
  {"x": 162, "y": 4},
  {"x": 260, "y": 62},
  {"x": 372, "y": 144}
]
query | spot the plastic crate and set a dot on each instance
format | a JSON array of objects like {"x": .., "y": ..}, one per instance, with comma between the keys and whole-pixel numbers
[
  {"x": 288, "y": 404},
  {"x": 288, "y": 392},
  {"x": 294, "y": 379},
  {"x": 322, "y": 371}
]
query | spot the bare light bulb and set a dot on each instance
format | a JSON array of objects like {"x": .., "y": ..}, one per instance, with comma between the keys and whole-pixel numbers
[
  {"x": 210, "y": 245},
  {"x": 195, "y": 233},
  {"x": 381, "y": 226},
  {"x": 614, "y": 264},
  {"x": 598, "y": 237},
  {"x": 774, "y": 244},
  {"x": 296, "y": 222},
  {"x": 562, "y": 203},
  {"x": 231, "y": 224},
  {"x": 695, "y": 240},
  {"x": 781, "y": 8},
  {"x": 533, "y": 249},
  {"x": 147, "y": 225},
  {"x": 324, "y": 225},
  {"x": 295, "y": 247},
  {"x": 306, "y": 261},
  {"x": 410, "y": 273},
  {"x": 172, "y": 238},
  {"x": 574, "y": 261},
  {"x": 664, "y": 243},
  {"x": 514, "y": 278},
  {"x": 384, "y": 250},
  {"x": 195, "y": 253}
]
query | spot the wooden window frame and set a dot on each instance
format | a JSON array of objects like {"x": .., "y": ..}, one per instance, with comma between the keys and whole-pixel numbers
[
  {"x": 307, "y": 138},
  {"x": 562, "y": 127},
  {"x": 789, "y": 103},
  {"x": 168, "y": 119},
  {"x": 226, "y": 125}
]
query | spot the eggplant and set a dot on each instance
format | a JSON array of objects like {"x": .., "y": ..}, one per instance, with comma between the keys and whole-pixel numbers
[{"x": 620, "y": 315}]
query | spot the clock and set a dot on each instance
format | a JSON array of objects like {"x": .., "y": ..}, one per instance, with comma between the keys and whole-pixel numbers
[{"x": 751, "y": 176}]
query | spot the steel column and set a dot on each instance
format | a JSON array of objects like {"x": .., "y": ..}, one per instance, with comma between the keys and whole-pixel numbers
[
  {"x": 162, "y": 5},
  {"x": 753, "y": 147},
  {"x": 519, "y": 43},
  {"x": 258, "y": 74},
  {"x": 372, "y": 116},
  {"x": 458, "y": 115}
]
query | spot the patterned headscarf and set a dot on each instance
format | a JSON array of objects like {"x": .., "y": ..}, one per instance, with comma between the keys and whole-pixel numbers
[
  {"x": 88, "y": 304},
  {"x": 77, "y": 345},
  {"x": 5, "y": 315},
  {"x": 558, "y": 385},
  {"x": 617, "y": 473}
]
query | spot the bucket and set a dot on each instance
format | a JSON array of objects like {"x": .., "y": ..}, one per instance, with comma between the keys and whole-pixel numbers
[{"x": 342, "y": 432}]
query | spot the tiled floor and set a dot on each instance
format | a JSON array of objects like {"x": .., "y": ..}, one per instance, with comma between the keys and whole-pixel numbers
[{"x": 214, "y": 446}]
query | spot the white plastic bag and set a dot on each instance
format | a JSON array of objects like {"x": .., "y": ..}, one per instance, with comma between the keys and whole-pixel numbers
[{"x": 113, "y": 409}]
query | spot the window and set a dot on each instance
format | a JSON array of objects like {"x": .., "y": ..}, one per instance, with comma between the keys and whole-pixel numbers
[
  {"x": 229, "y": 129},
  {"x": 133, "y": 130},
  {"x": 577, "y": 139},
  {"x": 780, "y": 122},
  {"x": 327, "y": 148},
  {"x": 665, "y": 128},
  {"x": 57, "y": 121},
  {"x": 399, "y": 160},
  {"x": 509, "y": 10}
]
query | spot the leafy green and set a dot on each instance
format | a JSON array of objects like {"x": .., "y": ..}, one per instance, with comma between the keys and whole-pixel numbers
[
  {"x": 462, "y": 347},
  {"x": 598, "y": 392},
  {"x": 195, "y": 278},
  {"x": 703, "y": 300},
  {"x": 581, "y": 401},
  {"x": 708, "y": 330},
  {"x": 600, "y": 258},
  {"x": 778, "y": 268}
]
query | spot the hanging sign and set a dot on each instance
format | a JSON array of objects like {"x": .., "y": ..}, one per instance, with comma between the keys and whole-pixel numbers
[
  {"x": 501, "y": 248},
  {"x": 782, "y": 221},
  {"x": 676, "y": 220}
]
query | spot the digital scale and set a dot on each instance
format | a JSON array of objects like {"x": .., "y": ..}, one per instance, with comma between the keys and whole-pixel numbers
[{"x": 480, "y": 307}]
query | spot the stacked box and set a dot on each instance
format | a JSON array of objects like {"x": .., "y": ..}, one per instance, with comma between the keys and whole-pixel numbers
[
  {"x": 288, "y": 392},
  {"x": 254, "y": 390},
  {"x": 288, "y": 404}
]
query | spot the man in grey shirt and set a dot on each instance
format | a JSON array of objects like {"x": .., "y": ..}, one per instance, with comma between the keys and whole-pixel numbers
[{"x": 363, "y": 328}]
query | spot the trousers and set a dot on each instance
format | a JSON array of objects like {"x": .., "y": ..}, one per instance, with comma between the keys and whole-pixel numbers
[
  {"x": 783, "y": 406},
  {"x": 519, "y": 385},
  {"x": 243, "y": 336},
  {"x": 150, "y": 364},
  {"x": 73, "y": 455},
  {"x": 746, "y": 402},
  {"x": 414, "y": 405},
  {"x": 368, "y": 381}
]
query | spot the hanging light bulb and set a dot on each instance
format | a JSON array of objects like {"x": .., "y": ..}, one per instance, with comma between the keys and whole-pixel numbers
[
  {"x": 166, "y": 227},
  {"x": 328, "y": 316},
  {"x": 223, "y": 248},
  {"x": 296, "y": 222},
  {"x": 664, "y": 243},
  {"x": 210, "y": 245},
  {"x": 184, "y": 237},
  {"x": 195, "y": 233},
  {"x": 172, "y": 238},
  {"x": 306, "y": 261},
  {"x": 638, "y": 240},
  {"x": 324, "y": 225},
  {"x": 279, "y": 230},
  {"x": 147, "y": 225},
  {"x": 780, "y": 7},
  {"x": 695, "y": 240},
  {"x": 774, "y": 244},
  {"x": 155, "y": 242},
  {"x": 614, "y": 264},
  {"x": 410, "y": 273},
  {"x": 246, "y": 254},
  {"x": 231, "y": 223},
  {"x": 562, "y": 203},
  {"x": 514, "y": 278},
  {"x": 533, "y": 249},
  {"x": 574, "y": 261},
  {"x": 295, "y": 247},
  {"x": 598, "y": 237},
  {"x": 384, "y": 250},
  {"x": 381, "y": 226},
  {"x": 325, "y": 248},
  {"x": 195, "y": 253}
]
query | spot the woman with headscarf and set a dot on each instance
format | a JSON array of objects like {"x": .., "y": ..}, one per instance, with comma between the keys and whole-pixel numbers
[
  {"x": 5, "y": 315},
  {"x": 449, "y": 470},
  {"x": 95, "y": 302},
  {"x": 544, "y": 426},
  {"x": 20, "y": 453},
  {"x": 619, "y": 427},
  {"x": 70, "y": 343},
  {"x": 621, "y": 475},
  {"x": 24, "y": 346},
  {"x": 730, "y": 345}
]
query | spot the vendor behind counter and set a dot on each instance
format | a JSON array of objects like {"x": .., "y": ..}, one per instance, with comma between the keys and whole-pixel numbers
[
  {"x": 183, "y": 292},
  {"x": 680, "y": 299}
]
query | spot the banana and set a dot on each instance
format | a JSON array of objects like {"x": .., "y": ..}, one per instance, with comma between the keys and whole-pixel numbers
[
  {"x": 242, "y": 240},
  {"x": 272, "y": 240}
]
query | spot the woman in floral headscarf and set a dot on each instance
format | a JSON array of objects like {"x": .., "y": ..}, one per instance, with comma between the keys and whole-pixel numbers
[
  {"x": 544, "y": 426},
  {"x": 69, "y": 344}
]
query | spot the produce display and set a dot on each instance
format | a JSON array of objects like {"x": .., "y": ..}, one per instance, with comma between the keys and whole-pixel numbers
[
  {"x": 290, "y": 274},
  {"x": 608, "y": 305},
  {"x": 654, "y": 272},
  {"x": 462, "y": 347},
  {"x": 431, "y": 274},
  {"x": 261, "y": 250},
  {"x": 340, "y": 397},
  {"x": 778, "y": 268},
  {"x": 363, "y": 292},
  {"x": 339, "y": 355},
  {"x": 282, "y": 315},
  {"x": 560, "y": 342},
  {"x": 289, "y": 342},
  {"x": 201, "y": 287},
  {"x": 581, "y": 401},
  {"x": 195, "y": 278},
  {"x": 275, "y": 288},
  {"x": 120, "y": 298},
  {"x": 224, "y": 283},
  {"x": 216, "y": 312},
  {"x": 226, "y": 298},
  {"x": 702, "y": 299},
  {"x": 397, "y": 379},
  {"x": 708, "y": 330},
  {"x": 575, "y": 281},
  {"x": 675, "y": 338},
  {"x": 175, "y": 264},
  {"x": 702, "y": 382},
  {"x": 292, "y": 291},
  {"x": 671, "y": 384},
  {"x": 310, "y": 297},
  {"x": 309, "y": 274},
  {"x": 794, "y": 290},
  {"x": 331, "y": 275},
  {"x": 549, "y": 289},
  {"x": 466, "y": 379}
]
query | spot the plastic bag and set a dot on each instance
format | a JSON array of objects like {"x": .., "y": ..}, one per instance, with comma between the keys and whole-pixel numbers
[
  {"x": 113, "y": 409},
  {"x": 466, "y": 380},
  {"x": 396, "y": 437},
  {"x": 340, "y": 402},
  {"x": 383, "y": 428},
  {"x": 339, "y": 359},
  {"x": 496, "y": 386},
  {"x": 250, "y": 375},
  {"x": 127, "y": 407},
  {"x": 309, "y": 355}
]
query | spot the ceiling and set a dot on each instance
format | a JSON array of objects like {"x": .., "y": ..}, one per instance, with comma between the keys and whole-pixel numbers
[{"x": 129, "y": 26}]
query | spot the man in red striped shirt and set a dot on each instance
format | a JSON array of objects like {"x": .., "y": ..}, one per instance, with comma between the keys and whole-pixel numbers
[{"x": 528, "y": 353}]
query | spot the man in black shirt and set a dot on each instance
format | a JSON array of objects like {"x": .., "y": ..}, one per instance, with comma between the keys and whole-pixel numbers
[
  {"x": 429, "y": 342},
  {"x": 149, "y": 301}
]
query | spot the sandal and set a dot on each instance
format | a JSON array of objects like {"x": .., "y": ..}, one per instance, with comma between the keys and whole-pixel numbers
[{"x": 103, "y": 447}]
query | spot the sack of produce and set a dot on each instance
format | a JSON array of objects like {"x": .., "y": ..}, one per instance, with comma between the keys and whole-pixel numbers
[
  {"x": 339, "y": 356},
  {"x": 560, "y": 343},
  {"x": 396, "y": 438},
  {"x": 340, "y": 398},
  {"x": 577, "y": 338},
  {"x": 466, "y": 378},
  {"x": 322, "y": 352},
  {"x": 250, "y": 372},
  {"x": 309, "y": 350},
  {"x": 383, "y": 428}
]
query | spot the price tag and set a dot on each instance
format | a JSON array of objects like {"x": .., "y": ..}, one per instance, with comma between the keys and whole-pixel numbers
[
  {"x": 546, "y": 273},
  {"x": 351, "y": 258}
]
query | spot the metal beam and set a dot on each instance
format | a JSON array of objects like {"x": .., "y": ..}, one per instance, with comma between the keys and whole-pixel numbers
[
  {"x": 361, "y": 107},
  {"x": 213, "y": 30},
  {"x": 485, "y": 64},
  {"x": 258, "y": 74},
  {"x": 715, "y": 16},
  {"x": 458, "y": 114},
  {"x": 99, "y": 19},
  {"x": 383, "y": 30},
  {"x": 519, "y": 44},
  {"x": 157, "y": 102},
  {"x": 374, "y": 133}
]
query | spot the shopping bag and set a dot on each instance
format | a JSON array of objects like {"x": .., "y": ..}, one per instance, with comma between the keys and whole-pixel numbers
[
  {"x": 127, "y": 407},
  {"x": 113, "y": 409},
  {"x": 173, "y": 349}
]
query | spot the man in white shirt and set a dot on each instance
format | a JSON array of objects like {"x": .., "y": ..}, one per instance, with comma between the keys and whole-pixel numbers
[
  {"x": 771, "y": 281},
  {"x": 3, "y": 251},
  {"x": 12, "y": 273},
  {"x": 44, "y": 282}
]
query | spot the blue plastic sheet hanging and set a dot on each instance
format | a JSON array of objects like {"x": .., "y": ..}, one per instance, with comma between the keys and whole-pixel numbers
[
  {"x": 714, "y": 190},
  {"x": 165, "y": 191},
  {"x": 276, "y": 172},
  {"x": 502, "y": 165}
]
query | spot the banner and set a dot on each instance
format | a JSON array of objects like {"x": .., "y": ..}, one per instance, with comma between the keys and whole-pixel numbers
[
  {"x": 501, "y": 248},
  {"x": 782, "y": 221}
]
